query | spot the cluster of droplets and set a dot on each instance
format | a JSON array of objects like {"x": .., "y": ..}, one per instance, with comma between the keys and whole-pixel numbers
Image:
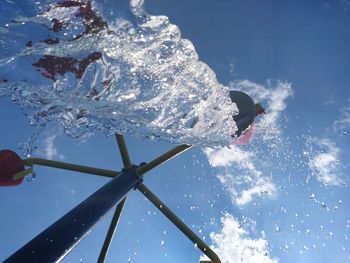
[
  {"x": 308, "y": 213},
  {"x": 141, "y": 79},
  {"x": 150, "y": 83}
]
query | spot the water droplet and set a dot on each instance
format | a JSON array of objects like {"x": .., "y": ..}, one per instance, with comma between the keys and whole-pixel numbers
[
  {"x": 129, "y": 260},
  {"x": 132, "y": 31},
  {"x": 195, "y": 245},
  {"x": 162, "y": 244},
  {"x": 31, "y": 177},
  {"x": 278, "y": 230}
]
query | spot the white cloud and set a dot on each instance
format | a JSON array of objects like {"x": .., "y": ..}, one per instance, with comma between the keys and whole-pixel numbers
[
  {"x": 232, "y": 244},
  {"x": 342, "y": 125},
  {"x": 248, "y": 182},
  {"x": 49, "y": 150},
  {"x": 263, "y": 186},
  {"x": 325, "y": 163},
  {"x": 227, "y": 156}
]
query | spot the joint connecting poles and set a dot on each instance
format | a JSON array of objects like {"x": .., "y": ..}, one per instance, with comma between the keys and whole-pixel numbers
[{"x": 54, "y": 243}]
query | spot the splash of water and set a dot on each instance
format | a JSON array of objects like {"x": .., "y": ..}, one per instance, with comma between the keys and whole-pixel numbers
[{"x": 135, "y": 76}]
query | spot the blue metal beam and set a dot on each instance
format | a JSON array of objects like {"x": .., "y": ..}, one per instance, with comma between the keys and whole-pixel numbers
[{"x": 54, "y": 243}]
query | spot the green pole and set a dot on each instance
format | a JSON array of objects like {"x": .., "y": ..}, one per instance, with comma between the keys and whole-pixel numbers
[
  {"x": 140, "y": 171},
  {"x": 116, "y": 216},
  {"x": 70, "y": 167},
  {"x": 123, "y": 150},
  {"x": 179, "y": 224},
  {"x": 111, "y": 231},
  {"x": 162, "y": 159},
  {"x": 22, "y": 174}
]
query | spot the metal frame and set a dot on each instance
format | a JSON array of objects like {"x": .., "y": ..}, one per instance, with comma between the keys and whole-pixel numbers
[{"x": 116, "y": 192}]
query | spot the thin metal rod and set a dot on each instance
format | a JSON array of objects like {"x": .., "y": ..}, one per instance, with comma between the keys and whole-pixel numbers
[
  {"x": 70, "y": 166},
  {"x": 111, "y": 231},
  {"x": 22, "y": 174},
  {"x": 115, "y": 219},
  {"x": 54, "y": 243},
  {"x": 123, "y": 150},
  {"x": 162, "y": 159},
  {"x": 180, "y": 225}
]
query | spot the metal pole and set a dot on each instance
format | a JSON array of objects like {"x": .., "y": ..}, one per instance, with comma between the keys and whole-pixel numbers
[
  {"x": 70, "y": 166},
  {"x": 54, "y": 243},
  {"x": 123, "y": 150},
  {"x": 111, "y": 231},
  {"x": 115, "y": 219},
  {"x": 22, "y": 174},
  {"x": 162, "y": 159},
  {"x": 180, "y": 225}
]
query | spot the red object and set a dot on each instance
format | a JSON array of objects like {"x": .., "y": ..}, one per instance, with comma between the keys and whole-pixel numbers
[
  {"x": 245, "y": 137},
  {"x": 10, "y": 164}
]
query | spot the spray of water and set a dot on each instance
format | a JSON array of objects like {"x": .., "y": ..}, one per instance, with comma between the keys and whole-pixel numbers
[{"x": 135, "y": 76}]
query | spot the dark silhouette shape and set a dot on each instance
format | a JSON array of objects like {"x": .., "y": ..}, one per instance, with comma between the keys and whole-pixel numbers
[
  {"x": 91, "y": 21},
  {"x": 248, "y": 110},
  {"x": 53, "y": 65}
]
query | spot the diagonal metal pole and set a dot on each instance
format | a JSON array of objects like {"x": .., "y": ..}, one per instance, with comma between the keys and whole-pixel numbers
[
  {"x": 123, "y": 150},
  {"x": 111, "y": 231},
  {"x": 116, "y": 216},
  {"x": 54, "y": 243},
  {"x": 70, "y": 167},
  {"x": 140, "y": 171},
  {"x": 162, "y": 159},
  {"x": 179, "y": 224}
]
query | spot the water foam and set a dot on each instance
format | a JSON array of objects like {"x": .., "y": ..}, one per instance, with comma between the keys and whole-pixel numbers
[{"x": 137, "y": 77}]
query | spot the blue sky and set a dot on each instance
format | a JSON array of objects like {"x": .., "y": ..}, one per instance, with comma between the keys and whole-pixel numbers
[{"x": 283, "y": 198}]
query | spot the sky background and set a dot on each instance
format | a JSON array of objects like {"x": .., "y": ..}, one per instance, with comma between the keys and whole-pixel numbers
[{"x": 283, "y": 198}]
